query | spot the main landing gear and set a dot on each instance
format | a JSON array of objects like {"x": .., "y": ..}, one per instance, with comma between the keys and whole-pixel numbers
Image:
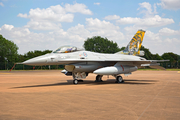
[
  {"x": 99, "y": 78},
  {"x": 79, "y": 76},
  {"x": 119, "y": 79}
]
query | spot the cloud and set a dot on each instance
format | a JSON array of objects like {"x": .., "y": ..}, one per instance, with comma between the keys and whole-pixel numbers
[
  {"x": 148, "y": 9},
  {"x": 155, "y": 37},
  {"x": 155, "y": 21},
  {"x": 158, "y": 43},
  {"x": 81, "y": 8},
  {"x": 104, "y": 29},
  {"x": 28, "y": 40},
  {"x": 96, "y": 24},
  {"x": 53, "y": 13},
  {"x": 1, "y": 4},
  {"x": 12, "y": 33},
  {"x": 22, "y": 15},
  {"x": 129, "y": 20},
  {"x": 97, "y": 3},
  {"x": 7, "y": 27},
  {"x": 95, "y": 27},
  {"x": 112, "y": 17},
  {"x": 43, "y": 25},
  {"x": 149, "y": 20},
  {"x": 167, "y": 32},
  {"x": 49, "y": 18},
  {"x": 172, "y": 40},
  {"x": 170, "y": 4},
  {"x": 79, "y": 30}
]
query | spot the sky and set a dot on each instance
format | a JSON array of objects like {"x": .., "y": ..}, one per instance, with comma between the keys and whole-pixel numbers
[{"x": 49, "y": 24}]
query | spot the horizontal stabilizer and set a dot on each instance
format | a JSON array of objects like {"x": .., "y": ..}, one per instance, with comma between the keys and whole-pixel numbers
[
  {"x": 153, "y": 65},
  {"x": 159, "y": 60}
]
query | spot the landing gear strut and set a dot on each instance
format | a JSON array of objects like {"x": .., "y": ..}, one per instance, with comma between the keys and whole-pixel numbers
[
  {"x": 78, "y": 77},
  {"x": 119, "y": 79},
  {"x": 99, "y": 78}
]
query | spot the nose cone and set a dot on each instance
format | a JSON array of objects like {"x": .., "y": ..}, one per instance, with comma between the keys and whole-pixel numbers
[{"x": 42, "y": 60}]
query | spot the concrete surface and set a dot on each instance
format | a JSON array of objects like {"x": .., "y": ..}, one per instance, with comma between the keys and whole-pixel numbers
[{"x": 145, "y": 95}]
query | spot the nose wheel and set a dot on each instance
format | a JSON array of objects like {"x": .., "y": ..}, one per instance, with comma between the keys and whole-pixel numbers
[
  {"x": 75, "y": 81},
  {"x": 119, "y": 79}
]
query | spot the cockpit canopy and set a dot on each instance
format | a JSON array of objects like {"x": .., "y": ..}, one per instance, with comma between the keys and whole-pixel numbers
[{"x": 66, "y": 49}]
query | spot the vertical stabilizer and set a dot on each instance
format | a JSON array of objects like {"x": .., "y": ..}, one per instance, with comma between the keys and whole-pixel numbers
[{"x": 133, "y": 48}]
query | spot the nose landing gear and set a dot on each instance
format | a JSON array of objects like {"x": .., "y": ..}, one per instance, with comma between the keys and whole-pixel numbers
[
  {"x": 75, "y": 81},
  {"x": 78, "y": 77}
]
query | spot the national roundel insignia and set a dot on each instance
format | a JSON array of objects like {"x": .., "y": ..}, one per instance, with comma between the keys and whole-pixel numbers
[{"x": 85, "y": 54}]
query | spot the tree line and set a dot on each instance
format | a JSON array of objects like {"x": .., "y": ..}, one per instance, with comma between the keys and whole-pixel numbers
[{"x": 9, "y": 55}]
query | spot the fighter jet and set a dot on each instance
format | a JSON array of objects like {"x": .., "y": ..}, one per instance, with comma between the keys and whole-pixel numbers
[{"x": 79, "y": 63}]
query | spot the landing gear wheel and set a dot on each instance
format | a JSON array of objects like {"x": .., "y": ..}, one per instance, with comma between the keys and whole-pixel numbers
[
  {"x": 119, "y": 79},
  {"x": 75, "y": 81},
  {"x": 98, "y": 78}
]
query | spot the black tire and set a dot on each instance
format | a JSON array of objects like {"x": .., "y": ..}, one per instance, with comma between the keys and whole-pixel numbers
[
  {"x": 75, "y": 81},
  {"x": 98, "y": 78},
  {"x": 119, "y": 79}
]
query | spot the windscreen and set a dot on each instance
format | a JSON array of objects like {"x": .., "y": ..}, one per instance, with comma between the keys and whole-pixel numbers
[{"x": 65, "y": 49}]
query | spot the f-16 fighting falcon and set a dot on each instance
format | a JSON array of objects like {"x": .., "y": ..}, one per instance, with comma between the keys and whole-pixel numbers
[{"x": 79, "y": 63}]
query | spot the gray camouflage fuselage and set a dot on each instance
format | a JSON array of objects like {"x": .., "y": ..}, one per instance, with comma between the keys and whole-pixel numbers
[
  {"x": 89, "y": 61},
  {"x": 79, "y": 63}
]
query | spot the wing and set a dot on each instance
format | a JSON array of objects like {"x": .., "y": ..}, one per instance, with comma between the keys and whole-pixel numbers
[{"x": 123, "y": 62}]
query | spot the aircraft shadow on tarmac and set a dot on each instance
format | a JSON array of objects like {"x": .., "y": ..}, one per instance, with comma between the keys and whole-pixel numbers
[{"x": 90, "y": 82}]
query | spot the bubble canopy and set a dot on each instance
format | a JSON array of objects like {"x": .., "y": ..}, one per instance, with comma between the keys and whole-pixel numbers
[{"x": 66, "y": 49}]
